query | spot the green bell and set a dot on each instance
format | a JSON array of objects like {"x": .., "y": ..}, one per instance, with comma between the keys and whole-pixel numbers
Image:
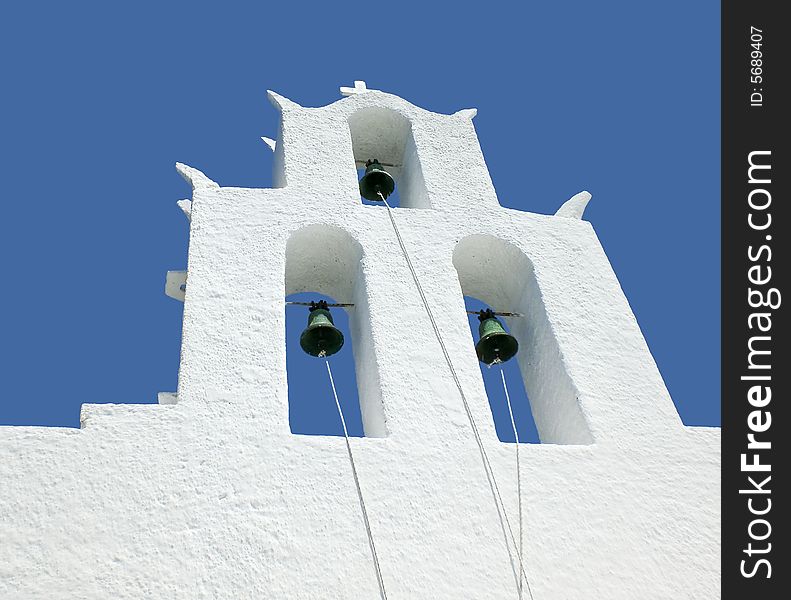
[
  {"x": 495, "y": 344},
  {"x": 376, "y": 180},
  {"x": 321, "y": 337}
]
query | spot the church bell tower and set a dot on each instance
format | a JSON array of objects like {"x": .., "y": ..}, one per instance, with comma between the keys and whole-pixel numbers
[{"x": 211, "y": 495}]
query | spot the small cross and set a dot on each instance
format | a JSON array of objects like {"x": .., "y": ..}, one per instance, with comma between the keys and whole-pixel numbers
[{"x": 359, "y": 88}]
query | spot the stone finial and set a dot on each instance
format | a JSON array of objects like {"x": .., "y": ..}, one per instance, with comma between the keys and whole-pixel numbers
[
  {"x": 466, "y": 113},
  {"x": 186, "y": 207},
  {"x": 281, "y": 102},
  {"x": 574, "y": 207},
  {"x": 195, "y": 178}
]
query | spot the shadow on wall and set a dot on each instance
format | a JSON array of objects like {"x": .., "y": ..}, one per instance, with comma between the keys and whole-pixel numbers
[{"x": 499, "y": 274}]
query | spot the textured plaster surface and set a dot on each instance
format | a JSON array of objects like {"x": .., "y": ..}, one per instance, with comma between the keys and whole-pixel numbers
[{"x": 209, "y": 495}]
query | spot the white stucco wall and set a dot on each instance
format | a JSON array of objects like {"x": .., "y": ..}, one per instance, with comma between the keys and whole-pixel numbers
[{"x": 209, "y": 495}]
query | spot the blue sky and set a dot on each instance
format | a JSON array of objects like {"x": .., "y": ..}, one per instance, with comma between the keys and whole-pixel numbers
[{"x": 99, "y": 101}]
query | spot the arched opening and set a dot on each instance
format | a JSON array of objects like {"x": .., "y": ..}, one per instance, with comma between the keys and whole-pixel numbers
[
  {"x": 324, "y": 262},
  {"x": 311, "y": 406},
  {"x": 501, "y": 276},
  {"x": 520, "y": 403},
  {"x": 386, "y": 135}
]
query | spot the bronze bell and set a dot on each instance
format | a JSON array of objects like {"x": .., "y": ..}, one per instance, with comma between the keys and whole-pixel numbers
[
  {"x": 321, "y": 337},
  {"x": 495, "y": 345},
  {"x": 375, "y": 181}
]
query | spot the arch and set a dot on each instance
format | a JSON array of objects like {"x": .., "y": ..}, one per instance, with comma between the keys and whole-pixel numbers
[
  {"x": 499, "y": 274},
  {"x": 386, "y": 134},
  {"x": 520, "y": 403},
  {"x": 325, "y": 259}
]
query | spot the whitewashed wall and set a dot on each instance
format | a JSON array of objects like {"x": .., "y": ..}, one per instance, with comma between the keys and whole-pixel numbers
[{"x": 213, "y": 497}]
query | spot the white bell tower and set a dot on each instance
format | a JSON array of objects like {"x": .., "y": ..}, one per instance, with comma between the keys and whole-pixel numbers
[{"x": 210, "y": 495}]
